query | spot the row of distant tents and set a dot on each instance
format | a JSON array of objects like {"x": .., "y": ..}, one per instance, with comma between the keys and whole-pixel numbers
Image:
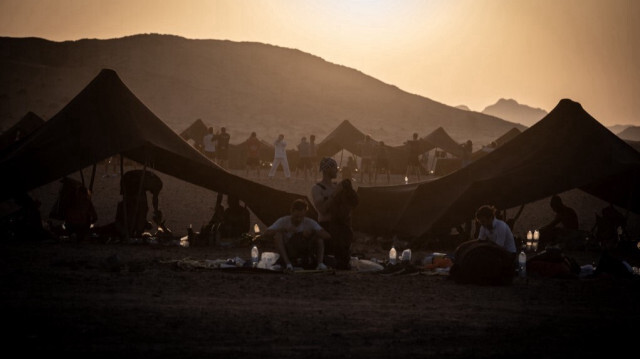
[
  {"x": 567, "y": 149},
  {"x": 348, "y": 137}
]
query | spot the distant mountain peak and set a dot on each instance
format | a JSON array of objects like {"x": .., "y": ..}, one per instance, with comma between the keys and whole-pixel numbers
[{"x": 511, "y": 110}]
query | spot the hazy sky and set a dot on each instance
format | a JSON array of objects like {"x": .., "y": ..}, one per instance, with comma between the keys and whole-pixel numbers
[{"x": 469, "y": 52}]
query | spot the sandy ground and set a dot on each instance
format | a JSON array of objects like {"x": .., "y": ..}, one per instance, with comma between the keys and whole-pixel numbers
[{"x": 98, "y": 299}]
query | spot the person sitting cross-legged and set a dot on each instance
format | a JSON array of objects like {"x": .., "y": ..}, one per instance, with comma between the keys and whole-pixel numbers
[{"x": 298, "y": 238}]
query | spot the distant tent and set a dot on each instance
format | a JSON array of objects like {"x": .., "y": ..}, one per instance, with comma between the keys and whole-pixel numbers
[
  {"x": 345, "y": 136},
  {"x": 441, "y": 139},
  {"x": 195, "y": 132},
  {"x": 27, "y": 124},
  {"x": 106, "y": 119},
  {"x": 508, "y": 136},
  {"x": 567, "y": 149}
]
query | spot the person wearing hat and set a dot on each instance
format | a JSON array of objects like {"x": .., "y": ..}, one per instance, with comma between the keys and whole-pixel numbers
[{"x": 334, "y": 203}]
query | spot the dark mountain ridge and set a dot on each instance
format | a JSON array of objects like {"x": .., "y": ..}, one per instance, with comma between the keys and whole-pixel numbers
[{"x": 244, "y": 86}]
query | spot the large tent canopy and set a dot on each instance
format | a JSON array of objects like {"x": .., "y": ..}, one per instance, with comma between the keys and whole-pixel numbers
[
  {"x": 567, "y": 149},
  {"x": 107, "y": 119}
]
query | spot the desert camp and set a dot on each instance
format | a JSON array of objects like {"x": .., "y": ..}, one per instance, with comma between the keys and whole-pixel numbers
[{"x": 319, "y": 179}]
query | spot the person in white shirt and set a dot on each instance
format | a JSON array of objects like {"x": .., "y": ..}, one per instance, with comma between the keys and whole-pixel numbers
[
  {"x": 494, "y": 229},
  {"x": 298, "y": 237},
  {"x": 280, "y": 158},
  {"x": 209, "y": 145}
]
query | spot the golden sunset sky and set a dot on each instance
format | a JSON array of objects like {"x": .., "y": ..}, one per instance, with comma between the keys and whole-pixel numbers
[{"x": 458, "y": 52}]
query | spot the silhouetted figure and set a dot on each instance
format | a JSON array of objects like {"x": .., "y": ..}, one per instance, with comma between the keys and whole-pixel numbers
[
  {"x": 222, "y": 147},
  {"x": 367, "y": 153},
  {"x": 382, "y": 162},
  {"x": 235, "y": 219},
  {"x": 467, "y": 149},
  {"x": 253, "y": 154},
  {"x": 413, "y": 163},
  {"x": 134, "y": 187},
  {"x": 564, "y": 228},
  {"x": 334, "y": 203},
  {"x": 80, "y": 214},
  {"x": 303, "y": 158}
]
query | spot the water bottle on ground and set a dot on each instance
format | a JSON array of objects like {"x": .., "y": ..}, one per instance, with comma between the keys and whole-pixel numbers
[
  {"x": 522, "y": 264},
  {"x": 392, "y": 255},
  {"x": 254, "y": 256}
]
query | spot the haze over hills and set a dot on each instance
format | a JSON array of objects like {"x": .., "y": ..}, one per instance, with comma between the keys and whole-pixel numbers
[
  {"x": 240, "y": 85},
  {"x": 513, "y": 111},
  {"x": 631, "y": 133}
]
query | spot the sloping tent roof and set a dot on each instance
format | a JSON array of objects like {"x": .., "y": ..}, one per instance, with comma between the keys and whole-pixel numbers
[
  {"x": 506, "y": 137},
  {"x": 565, "y": 150},
  {"x": 105, "y": 119},
  {"x": 27, "y": 124}
]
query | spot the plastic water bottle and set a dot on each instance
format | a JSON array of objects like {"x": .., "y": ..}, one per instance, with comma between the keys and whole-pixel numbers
[
  {"x": 522, "y": 264},
  {"x": 254, "y": 256},
  {"x": 392, "y": 255}
]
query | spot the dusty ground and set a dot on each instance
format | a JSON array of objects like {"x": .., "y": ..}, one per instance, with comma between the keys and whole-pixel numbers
[{"x": 98, "y": 299}]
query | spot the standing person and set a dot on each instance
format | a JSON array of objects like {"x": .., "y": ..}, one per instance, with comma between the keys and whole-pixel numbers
[
  {"x": 253, "y": 154},
  {"x": 467, "y": 150},
  {"x": 494, "y": 229},
  {"x": 222, "y": 147},
  {"x": 134, "y": 186},
  {"x": 382, "y": 162},
  {"x": 303, "y": 157},
  {"x": 208, "y": 145},
  {"x": 334, "y": 203},
  {"x": 300, "y": 237},
  {"x": 280, "y": 157},
  {"x": 367, "y": 151},
  {"x": 313, "y": 155},
  {"x": 413, "y": 164},
  {"x": 80, "y": 214}
]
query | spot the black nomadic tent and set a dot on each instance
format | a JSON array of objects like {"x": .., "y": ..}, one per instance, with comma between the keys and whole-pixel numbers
[
  {"x": 565, "y": 150},
  {"x": 107, "y": 119}
]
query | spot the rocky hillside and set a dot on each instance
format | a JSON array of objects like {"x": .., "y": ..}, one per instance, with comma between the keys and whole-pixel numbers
[{"x": 242, "y": 86}]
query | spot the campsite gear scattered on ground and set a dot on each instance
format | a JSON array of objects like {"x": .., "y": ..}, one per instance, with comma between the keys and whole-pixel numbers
[
  {"x": 268, "y": 261},
  {"x": 553, "y": 263},
  {"x": 483, "y": 263},
  {"x": 522, "y": 263},
  {"x": 364, "y": 265}
]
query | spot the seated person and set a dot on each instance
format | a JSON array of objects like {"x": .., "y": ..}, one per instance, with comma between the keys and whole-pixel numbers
[
  {"x": 235, "y": 219},
  {"x": 494, "y": 229},
  {"x": 298, "y": 237},
  {"x": 564, "y": 227}
]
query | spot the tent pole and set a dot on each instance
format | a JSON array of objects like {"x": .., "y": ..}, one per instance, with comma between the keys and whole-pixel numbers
[
  {"x": 93, "y": 176},
  {"x": 341, "y": 153},
  {"x": 124, "y": 206},
  {"x": 82, "y": 177}
]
